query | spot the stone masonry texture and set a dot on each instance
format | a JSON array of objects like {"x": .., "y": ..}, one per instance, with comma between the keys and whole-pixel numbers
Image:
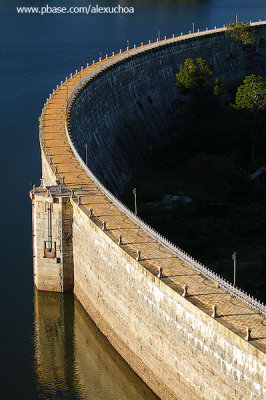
[{"x": 171, "y": 342}]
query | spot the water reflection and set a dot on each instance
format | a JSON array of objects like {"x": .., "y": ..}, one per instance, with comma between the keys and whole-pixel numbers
[{"x": 74, "y": 360}]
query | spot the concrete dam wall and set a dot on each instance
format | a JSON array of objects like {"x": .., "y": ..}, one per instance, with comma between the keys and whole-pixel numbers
[
  {"x": 183, "y": 329},
  {"x": 131, "y": 106}
]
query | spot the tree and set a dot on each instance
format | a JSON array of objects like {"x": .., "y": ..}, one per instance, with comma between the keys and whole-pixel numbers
[
  {"x": 194, "y": 75},
  {"x": 251, "y": 96},
  {"x": 240, "y": 32}
]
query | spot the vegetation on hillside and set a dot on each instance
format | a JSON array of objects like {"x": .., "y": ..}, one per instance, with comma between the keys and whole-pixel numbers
[
  {"x": 194, "y": 75},
  {"x": 196, "y": 188},
  {"x": 251, "y": 97},
  {"x": 240, "y": 32}
]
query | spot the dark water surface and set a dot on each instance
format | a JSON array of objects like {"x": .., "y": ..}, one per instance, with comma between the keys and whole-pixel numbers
[{"x": 52, "y": 350}]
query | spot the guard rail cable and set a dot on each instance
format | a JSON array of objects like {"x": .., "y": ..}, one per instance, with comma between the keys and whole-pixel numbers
[{"x": 203, "y": 270}]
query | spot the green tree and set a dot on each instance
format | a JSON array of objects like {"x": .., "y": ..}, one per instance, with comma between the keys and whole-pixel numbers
[
  {"x": 194, "y": 75},
  {"x": 240, "y": 32},
  {"x": 251, "y": 96}
]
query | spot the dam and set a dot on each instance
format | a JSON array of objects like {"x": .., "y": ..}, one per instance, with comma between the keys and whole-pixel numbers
[{"x": 181, "y": 327}]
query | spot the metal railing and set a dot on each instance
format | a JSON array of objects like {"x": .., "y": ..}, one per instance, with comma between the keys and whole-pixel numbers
[{"x": 203, "y": 270}]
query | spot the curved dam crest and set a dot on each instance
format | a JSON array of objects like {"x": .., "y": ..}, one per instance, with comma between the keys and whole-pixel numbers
[
  {"x": 127, "y": 278},
  {"x": 131, "y": 106}
]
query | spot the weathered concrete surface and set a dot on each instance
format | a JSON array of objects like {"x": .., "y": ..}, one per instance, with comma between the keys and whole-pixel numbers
[
  {"x": 95, "y": 357},
  {"x": 176, "y": 348},
  {"x": 171, "y": 342},
  {"x": 52, "y": 229},
  {"x": 133, "y": 106},
  {"x": 48, "y": 177}
]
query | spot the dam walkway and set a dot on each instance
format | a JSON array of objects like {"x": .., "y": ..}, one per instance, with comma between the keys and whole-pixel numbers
[{"x": 231, "y": 312}]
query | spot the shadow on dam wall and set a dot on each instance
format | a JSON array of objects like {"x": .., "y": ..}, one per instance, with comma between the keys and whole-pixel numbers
[
  {"x": 72, "y": 357},
  {"x": 176, "y": 344},
  {"x": 131, "y": 106}
]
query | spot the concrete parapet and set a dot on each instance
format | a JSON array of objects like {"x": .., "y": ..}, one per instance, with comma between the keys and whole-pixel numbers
[
  {"x": 180, "y": 345},
  {"x": 119, "y": 127},
  {"x": 176, "y": 348}
]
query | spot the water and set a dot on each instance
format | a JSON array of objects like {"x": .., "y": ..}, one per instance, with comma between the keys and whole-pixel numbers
[
  {"x": 37, "y": 52},
  {"x": 74, "y": 361}
]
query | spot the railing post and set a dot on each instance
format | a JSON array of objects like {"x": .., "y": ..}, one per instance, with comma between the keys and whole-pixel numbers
[
  {"x": 185, "y": 293},
  {"x": 248, "y": 335},
  {"x": 175, "y": 250},
  {"x": 214, "y": 311},
  {"x": 160, "y": 272}
]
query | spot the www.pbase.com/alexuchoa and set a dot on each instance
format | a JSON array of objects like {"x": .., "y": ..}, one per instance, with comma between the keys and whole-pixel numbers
[{"x": 91, "y": 9}]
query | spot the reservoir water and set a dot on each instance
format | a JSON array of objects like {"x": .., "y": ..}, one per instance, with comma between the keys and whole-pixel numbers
[{"x": 50, "y": 347}]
